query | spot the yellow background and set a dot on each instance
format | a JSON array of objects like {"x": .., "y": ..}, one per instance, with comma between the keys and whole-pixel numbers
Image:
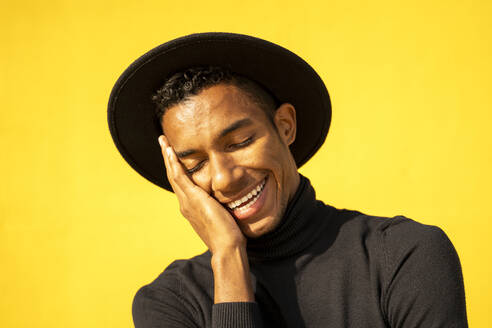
[{"x": 80, "y": 231}]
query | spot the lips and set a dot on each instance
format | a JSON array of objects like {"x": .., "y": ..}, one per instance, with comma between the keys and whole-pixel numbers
[
  {"x": 249, "y": 204},
  {"x": 245, "y": 201}
]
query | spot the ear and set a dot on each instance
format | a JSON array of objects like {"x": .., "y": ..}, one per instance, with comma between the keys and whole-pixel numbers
[{"x": 285, "y": 121}]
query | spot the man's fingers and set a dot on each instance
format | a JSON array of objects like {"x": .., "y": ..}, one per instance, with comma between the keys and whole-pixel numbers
[
  {"x": 179, "y": 174},
  {"x": 176, "y": 174},
  {"x": 166, "y": 154},
  {"x": 169, "y": 170}
]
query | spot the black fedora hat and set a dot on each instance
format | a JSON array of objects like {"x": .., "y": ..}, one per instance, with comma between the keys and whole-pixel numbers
[{"x": 131, "y": 117}]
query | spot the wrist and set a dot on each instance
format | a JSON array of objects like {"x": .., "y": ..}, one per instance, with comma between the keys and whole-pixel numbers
[
  {"x": 229, "y": 256},
  {"x": 232, "y": 280}
]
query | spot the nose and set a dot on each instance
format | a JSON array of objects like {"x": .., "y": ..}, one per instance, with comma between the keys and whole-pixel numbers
[{"x": 225, "y": 174}]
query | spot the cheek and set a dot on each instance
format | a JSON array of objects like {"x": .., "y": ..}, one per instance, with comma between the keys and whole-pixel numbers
[
  {"x": 270, "y": 156},
  {"x": 265, "y": 154},
  {"x": 202, "y": 179}
]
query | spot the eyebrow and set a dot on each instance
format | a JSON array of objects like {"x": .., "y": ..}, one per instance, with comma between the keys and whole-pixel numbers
[
  {"x": 185, "y": 153},
  {"x": 234, "y": 126}
]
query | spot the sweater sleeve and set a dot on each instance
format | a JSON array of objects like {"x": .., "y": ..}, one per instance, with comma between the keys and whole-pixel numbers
[
  {"x": 424, "y": 285},
  {"x": 159, "y": 308},
  {"x": 236, "y": 315}
]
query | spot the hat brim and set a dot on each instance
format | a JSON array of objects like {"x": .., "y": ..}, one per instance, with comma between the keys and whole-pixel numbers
[{"x": 131, "y": 112}]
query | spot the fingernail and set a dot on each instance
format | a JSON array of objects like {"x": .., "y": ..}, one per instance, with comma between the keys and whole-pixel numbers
[
  {"x": 168, "y": 152},
  {"x": 160, "y": 141}
]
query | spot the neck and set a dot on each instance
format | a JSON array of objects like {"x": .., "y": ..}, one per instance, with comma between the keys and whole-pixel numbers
[{"x": 303, "y": 219}]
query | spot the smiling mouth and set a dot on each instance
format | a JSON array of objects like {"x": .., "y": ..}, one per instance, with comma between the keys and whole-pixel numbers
[{"x": 249, "y": 199}]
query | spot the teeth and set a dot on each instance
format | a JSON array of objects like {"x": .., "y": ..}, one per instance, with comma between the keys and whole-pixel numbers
[{"x": 253, "y": 193}]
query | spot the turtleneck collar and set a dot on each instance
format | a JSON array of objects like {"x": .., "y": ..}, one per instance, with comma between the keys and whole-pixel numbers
[{"x": 299, "y": 227}]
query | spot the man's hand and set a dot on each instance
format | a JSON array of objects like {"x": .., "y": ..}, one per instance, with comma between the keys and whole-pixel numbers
[
  {"x": 211, "y": 221},
  {"x": 216, "y": 227}
]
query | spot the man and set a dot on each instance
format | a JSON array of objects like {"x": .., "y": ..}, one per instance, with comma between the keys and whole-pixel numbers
[{"x": 235, "y": 117}]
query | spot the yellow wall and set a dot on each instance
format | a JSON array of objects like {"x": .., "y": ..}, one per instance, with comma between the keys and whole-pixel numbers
[{"x": 80, "y": 231}]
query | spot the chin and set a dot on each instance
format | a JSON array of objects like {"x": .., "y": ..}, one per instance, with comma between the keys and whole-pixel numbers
[{"x": 259, "y": 228}]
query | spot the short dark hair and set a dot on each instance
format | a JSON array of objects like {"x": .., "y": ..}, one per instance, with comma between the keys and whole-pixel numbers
[{"x": 193, "y": 80}]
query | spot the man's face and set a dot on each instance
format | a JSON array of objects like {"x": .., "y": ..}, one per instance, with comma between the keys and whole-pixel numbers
[{"x": 232, "y": 151}]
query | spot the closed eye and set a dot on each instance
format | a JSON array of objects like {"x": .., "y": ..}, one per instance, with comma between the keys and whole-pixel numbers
[
  {"x": 195, "y": 168},
  {"x": 233, "y": 147},
  {"x": 242, "y": 144}
]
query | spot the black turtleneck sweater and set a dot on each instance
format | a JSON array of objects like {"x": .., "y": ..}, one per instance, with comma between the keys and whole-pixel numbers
[{"x": 321, "y": 267}]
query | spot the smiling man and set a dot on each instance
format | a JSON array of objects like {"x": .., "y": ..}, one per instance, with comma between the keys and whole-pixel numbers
[
  {"x": 232, "y": 150},
  {"x": 231, "y": 120}
]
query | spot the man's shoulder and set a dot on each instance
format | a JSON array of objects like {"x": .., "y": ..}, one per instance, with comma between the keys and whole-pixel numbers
[
  {"x": 391, "y": 234},
  {"x": 398, "y": 226},
  {"x": 180, "y": 271},
  {"x": 418, "y": 267},
  {"x": 176, "y": 294},
  {"x": 173, "y": 286},
  {"x": 396, "y": 236}
]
